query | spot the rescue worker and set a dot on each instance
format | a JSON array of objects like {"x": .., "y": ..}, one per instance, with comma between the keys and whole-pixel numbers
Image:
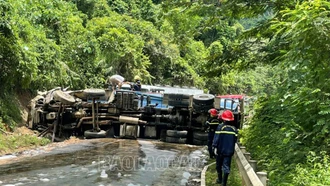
[
  {"x": 137, "y": 84},
  {"x": 224, "y": 146},
  {"x": 115, "y": 80},
  {"x": 211, "y": 124}
]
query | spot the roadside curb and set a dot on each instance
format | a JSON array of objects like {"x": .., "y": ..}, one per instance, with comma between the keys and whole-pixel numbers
[{"x": 203, "y": 174}]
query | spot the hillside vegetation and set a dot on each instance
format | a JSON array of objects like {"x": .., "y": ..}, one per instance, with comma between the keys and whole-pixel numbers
[{"x": 276, "y": 50}]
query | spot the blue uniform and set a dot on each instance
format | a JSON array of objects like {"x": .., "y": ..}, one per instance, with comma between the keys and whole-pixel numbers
[
  {"x": 137, "y": 86},
  {"x": 212, "y": 124},
  {"x": 224, "y": 140}
]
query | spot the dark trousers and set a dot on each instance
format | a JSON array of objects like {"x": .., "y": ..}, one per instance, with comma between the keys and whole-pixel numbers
[
  {"x": 223, "y": 164},
  {"x": 209, "y": 143}
]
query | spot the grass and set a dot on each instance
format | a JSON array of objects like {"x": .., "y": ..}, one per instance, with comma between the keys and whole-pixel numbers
[
  {"x": 12, "y": 137},
  {"x": 234, "y": 176},
  {"x": 10, "y": 143}
]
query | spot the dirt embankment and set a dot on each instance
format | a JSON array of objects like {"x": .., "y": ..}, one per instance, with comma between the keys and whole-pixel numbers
[{"x": 24, "y": 99}]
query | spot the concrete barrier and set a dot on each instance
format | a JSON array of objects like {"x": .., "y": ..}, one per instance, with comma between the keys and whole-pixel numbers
[
  {"x": 249, "y": 176},
  {"x": 203, "y": 179}
]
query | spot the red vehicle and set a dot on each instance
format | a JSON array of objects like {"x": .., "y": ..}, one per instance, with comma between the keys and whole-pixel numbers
[{"x": 235, "y": 103}]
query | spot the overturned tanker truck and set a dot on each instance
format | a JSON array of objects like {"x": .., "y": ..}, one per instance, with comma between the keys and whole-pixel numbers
[{"x": 171, "y": 114}]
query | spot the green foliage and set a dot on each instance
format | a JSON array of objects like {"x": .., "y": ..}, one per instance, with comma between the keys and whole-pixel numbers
[
  {"x": 79, "y": 43},
  {"x": 9, "y": 58},
  {"x": 142, "y": 9},
  {"x": 261, "y": 81},
  {"x": 282, "y": 58},
  {"x": 9, "y": 110},
  {"x": 314, "y": 172},
  {"x": 295, "y": 119},
  {"x": 86, "y": 6}
]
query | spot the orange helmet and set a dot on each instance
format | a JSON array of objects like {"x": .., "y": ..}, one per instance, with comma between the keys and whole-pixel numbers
[
  {"x": 213, "y": 112},
  {"x": 227, "y": 116}
]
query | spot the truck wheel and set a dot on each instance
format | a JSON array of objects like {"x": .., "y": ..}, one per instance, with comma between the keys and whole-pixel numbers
[
  {"x": 182, "y": 140},
  {"x": 206, "y": 99},
  {"x": 177, "y": 134},
  {"x": 93, "y": 93},
  {"x": 178, "y": 96},
  {"x": 163, "y": 135},
  {"x": 203, "y": 136},
  {"x": 150, "y": 132},
  {"x": 111, "y": 132},
  {"x": 92, "y": 134},
  {"x": 176, "y": 140},
  {"x": 64, "y": 98},
  {"x": 182, "y": 103},
  {"x": 202, "y": 108},
  {"x": 199, "y": 142}
]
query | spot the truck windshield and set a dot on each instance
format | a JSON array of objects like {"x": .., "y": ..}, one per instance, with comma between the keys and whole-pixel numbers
[{"x": 231, "y": 104}]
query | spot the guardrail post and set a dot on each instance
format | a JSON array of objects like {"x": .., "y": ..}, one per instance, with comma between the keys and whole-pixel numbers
[
  {"x": 247, "y": 155},
  {"x": 243, "y": 149},
  {"x": 253, "y": 164},
  {"x": 263, "y": 177},
  {"x": 249, "y": 177}
]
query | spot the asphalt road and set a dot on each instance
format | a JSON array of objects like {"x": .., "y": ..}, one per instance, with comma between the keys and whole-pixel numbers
[{"x": 108, "y": 162}]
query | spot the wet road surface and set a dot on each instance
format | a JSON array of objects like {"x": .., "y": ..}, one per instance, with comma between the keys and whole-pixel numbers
[{"x": 108, "y": 162}]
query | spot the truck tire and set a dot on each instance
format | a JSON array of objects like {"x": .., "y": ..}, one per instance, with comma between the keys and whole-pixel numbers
[
  {"x": 178, "y": 96},
  {"x": 150, "y": 132},
  {"x": 199, "y": 135},
  {"x": 201, "y": 108},
  {"x": 176, "y": 133},
  {"x": 111, "y": 132},
  {"x": 199, "y": 142},
  {"x": 64, "y": 98},
  {"x": 92, "y": 134},
  {"x": 182, "y": 103},
  {"x": 163, "y": 135},
  {"x": 206, "y": 99},
  {"x": 176, "y": 140},
  {"x": 93, "y": 93}
]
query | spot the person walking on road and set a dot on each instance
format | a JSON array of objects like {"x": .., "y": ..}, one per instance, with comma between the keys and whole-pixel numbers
[
  {"x": 224, "y": 146},
  {"x": 211, "y": 124}
]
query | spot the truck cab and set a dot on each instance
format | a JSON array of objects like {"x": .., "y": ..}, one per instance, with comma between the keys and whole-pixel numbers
[{"x": 234, "y": 103}]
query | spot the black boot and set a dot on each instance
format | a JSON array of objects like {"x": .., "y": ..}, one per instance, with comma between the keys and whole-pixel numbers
[
  {"x": 225, "y": 178},
  {"x": 212, "y": 156},
  {"x": 211, "y": 153},
  {"x": 219, "y": 180}
]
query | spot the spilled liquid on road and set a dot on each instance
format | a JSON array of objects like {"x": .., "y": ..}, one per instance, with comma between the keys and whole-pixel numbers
[{"x": 109, "y": 162}]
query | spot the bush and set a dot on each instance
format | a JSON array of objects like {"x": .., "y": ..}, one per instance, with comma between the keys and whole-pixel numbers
[
  {"x": 9, "y": 110},
  {"x": 315, "y": 171}
]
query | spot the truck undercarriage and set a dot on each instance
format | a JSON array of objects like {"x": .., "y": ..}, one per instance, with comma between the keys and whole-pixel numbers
[{"x": 173, "y": 117}]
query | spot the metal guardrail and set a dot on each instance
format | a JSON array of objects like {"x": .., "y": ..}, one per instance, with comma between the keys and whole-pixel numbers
[{"x": 248, "y": 168}]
